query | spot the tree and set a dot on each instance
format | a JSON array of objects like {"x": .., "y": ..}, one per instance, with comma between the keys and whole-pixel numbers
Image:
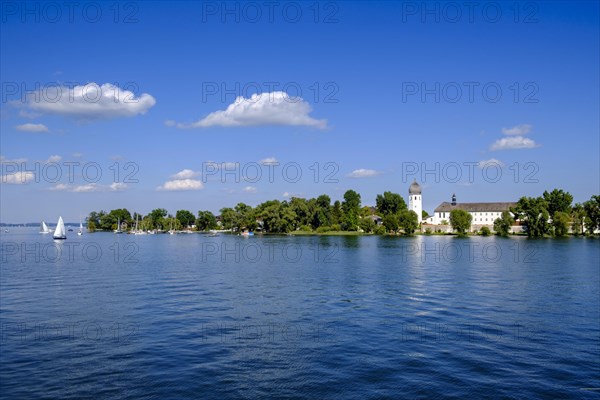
[
  {"x": 336, "y": 213},
  {"x": 365, "y": 211},
  {"x": 351, "y": 209},
  {"x": 503, "y": 224},
  {"x": 277, "y": 217},
  {"x": 155, "y": 217},
  {"x": 578, "y": 215},
  {"x": 185, "y": 217},
  {"x": 93, "y": 217},
  {"x": 322, "y": 213},
  {"x": 227, "y": 218},
  {"x": 557, "y": 200},
  {"x": 302, "y": 209},
  {"x": 560, "y": 223},
  {"x": 107, "y": 221},
  {"x": 460, "y": 221},
  {"x": 485, "y": 231},
  {"x": 408, "y": 221},
  {"x": 592, "y": 211},
  {"x": 206, "y": 221},
  {"x": 424, "y": 214},
  {"x": 367, "y": 224},
  {"x": 533, "y": 212},
  {"x": 389, "y": 203},
  {"x": 390, "y": 221}
]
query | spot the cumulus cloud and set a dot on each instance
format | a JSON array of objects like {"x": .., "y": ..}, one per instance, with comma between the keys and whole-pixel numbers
[
  {"x": 90, "y": 187},
  {"x": 249, "y": 189},
  {"x": 491, "y": 162},
  {"x": 18, "y": 178},
  {"x": 185, "y": 174},
  {"x": 181, "y": 184},
  {"x": 54, "y": 159},
  {"x": 363, "y": 173},
  {"x": 36, "y": 128},
  {"x": 269, "y": 161},
  {"x": 520, "y": 130},
  {"x": 275, "y": 108},
  {"x": 513, "y": 142},
  {"x": 91, "y": 101}
]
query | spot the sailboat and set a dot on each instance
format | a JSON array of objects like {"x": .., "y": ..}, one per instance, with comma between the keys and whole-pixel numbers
[
  {"x": 80, "y": 232},
  {"x": 137, "y": 231},
  {"x": 44, "y": 228},
  {"x": 60, "y": 232},
  {"x": 118, "y": 230}
]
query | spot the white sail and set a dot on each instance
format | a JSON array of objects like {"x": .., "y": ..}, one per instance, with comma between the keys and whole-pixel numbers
[
  {"x": 80, "y": 229},
  {"x": 44, "y": 228},
  {"x": 60, "y": 232}
]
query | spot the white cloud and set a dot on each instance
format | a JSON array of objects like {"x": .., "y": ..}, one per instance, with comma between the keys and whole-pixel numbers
[
  {"x": 16, "y": 160},
  {"x": 249, "y": 189},
  {"x": 90, "y": 187},
  {"x": 513, "y": 142},
  {"x": 18, "y": 178},
  {"x": 36, "y": 128},
  {"x": 185, "y": 174},
  {"x": 117, "y": 186},
  {"x": 286, "y": 194},
  {"x": 181, "y": 184},
  {"x": 54, "y": 159},
  {"x": 363, "y": 173},
  {"x": 269, "y": 161},
  {"x": 520, "y": 130},
  {"x": 91, "y": 101},
  {"x": 275, "y": 108},
  {"x": 60, "y": 187},
  {"x": 491, "y": 162}
]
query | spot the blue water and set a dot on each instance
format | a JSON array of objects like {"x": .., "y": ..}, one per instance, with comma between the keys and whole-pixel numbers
[{"x": 193, "y": 316}]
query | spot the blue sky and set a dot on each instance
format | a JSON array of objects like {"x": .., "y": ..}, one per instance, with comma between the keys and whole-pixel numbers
[{"x": 382, "y": 87}]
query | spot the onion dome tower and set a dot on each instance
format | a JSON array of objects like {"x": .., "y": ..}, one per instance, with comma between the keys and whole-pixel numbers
[{"x": 415, "y": 202}]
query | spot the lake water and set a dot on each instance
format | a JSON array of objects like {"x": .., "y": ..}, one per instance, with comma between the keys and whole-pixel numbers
[{"x": 193, "y": 316}]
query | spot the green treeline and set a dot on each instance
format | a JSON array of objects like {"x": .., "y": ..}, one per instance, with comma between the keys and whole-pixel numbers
[
  {"x": 553, "y": 213},
  {"x": 274, "y": 216},
  {"x": 550, "y": 214}
]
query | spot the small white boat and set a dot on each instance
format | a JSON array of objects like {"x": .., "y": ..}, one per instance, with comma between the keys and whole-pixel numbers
[
  {"x": 118, "y": 230},
  {"x": 59, "y": 232},
  {"x": 80, "y": 232},
  {"x": 44, "y": 228}
]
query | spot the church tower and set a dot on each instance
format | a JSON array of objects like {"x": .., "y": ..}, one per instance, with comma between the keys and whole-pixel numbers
[{"x": 415, "y": 202}]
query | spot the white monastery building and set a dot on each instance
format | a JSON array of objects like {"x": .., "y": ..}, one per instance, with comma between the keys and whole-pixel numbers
[{"x": 484, "y": 214}]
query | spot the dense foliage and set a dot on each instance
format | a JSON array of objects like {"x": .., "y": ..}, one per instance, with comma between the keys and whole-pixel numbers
[{"x": 552, "y": 213}]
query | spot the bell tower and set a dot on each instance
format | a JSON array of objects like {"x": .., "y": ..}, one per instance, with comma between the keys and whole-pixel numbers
[{"x": 415, "y": 202}]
